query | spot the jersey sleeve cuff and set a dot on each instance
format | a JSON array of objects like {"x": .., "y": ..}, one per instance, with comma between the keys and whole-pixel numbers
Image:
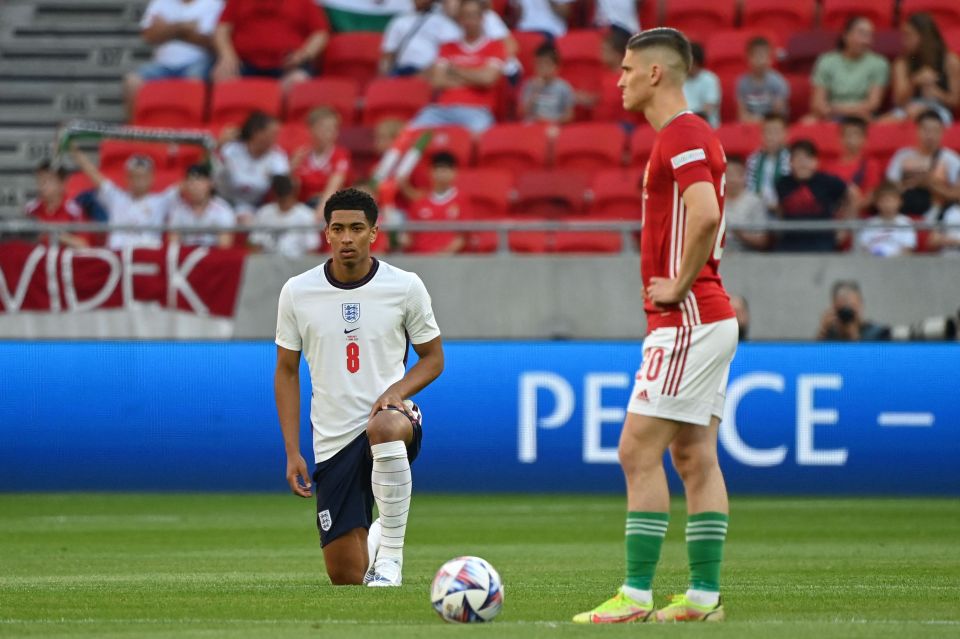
[
  {"x": 423, "y": 338},
  {"x": 287, "y": 345}
]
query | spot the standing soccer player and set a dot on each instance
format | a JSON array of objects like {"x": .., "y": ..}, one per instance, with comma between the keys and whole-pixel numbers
[
  {"x": 677, "y": 400},
  {"x": 354, "y": 317}
]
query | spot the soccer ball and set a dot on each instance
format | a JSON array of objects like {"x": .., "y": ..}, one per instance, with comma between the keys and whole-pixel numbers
[{"x": 466, "y": 590}]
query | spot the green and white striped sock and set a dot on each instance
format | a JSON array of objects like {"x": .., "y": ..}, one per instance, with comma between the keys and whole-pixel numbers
[
  {"x": 706, "y": 534},
  {"x": 644, "y": 538}
]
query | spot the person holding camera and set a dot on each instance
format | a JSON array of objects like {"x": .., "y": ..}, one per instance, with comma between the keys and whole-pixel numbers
[{"x": 843, "y": 321}]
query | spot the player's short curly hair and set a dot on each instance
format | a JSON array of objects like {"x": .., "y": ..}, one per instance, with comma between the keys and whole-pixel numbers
[{"x": 352, "y": 200}]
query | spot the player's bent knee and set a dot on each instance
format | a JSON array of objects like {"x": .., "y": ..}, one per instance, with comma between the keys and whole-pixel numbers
[
  {"x": 389, "y": 426},
  {"x": 345, "y": 576}
]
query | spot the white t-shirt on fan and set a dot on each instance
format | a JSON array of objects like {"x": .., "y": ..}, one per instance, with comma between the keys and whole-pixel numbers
[
  {"x": 292, "y": 244},
  {"x": 355, "y": 338},
  {"x": 244, "y": 180},
  {"x": 123, "y": 210},
  {"x": 176, "y": 54}
]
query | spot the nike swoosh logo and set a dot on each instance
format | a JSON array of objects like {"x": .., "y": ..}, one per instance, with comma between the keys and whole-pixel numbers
[{"x": 345, "y": 331}]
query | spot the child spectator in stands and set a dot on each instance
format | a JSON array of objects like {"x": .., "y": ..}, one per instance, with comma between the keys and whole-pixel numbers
[
  {"x": 743, "y": 207},
  {"x": 928, "y": 174},
  {"x": 546, "y": 97},
  {"x": 926, "y": 76},
  {"x": 761, "y": 90},
  {"x": 851, "y": 80},
  {"x": 182, "y": 32},
  {"x": 443, "y": 203},
  {"x": 51, "y": 206},
  {"x": 269, "y": 39},
  {"x": 413, "y": 39},
  {"x": 466, "y": 75},
  {"x": 770, "y": 161},
  {"x": 702, "y": 88},
  {"x": 809, "y": 194},
  {"x": 199, "y": 207},
  {"x": 548, "y": 17},
  {"x": 321, "y": 170},
  {"x": 250, "y": 162},
  {"x": 284, "y": 212},
  {"x": 136, "y": 206},
  {"x": 890, "y": 233},
  {"x": 861, "y": 172}
]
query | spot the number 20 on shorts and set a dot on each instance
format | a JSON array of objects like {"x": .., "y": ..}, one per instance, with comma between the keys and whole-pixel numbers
[{"x": 652, "y": 363}]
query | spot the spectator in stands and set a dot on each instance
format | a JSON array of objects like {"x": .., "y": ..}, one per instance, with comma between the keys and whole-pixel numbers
[
  {"x": 742, "y": 207},
  {"x": 861, "y": 172},
  {"x": 702, "y": 88},
  {"x": 808, "y": 194},
  {"x": 549, "y": 17},
  {"x": 618, "y": 14},
  {"x": 770, "y": 161},
  {"x": 250, "y": 162},
  {"x": 52, "y": 206},
  {"x": 852, "y": 79},
  {"x": 199, "y": 207},
  {"x": 321, "y": 169},
  {"x": 928, "y": 174},
  {"x": 269, "y": 39},
  {"x": 843, "y": 321},
  {"x": 136, "y": 206},
  {"x": 926, "y": 75},
  {"x": 761, "y": 90},
  {"x": 182, "y": 32},
  {"x": 466, "y": 74},
  {"x": 607, "y": 105},
  {"x": 947, "y": 239},
  {"x": 495, "y": 29},
  {"x": 284, "y": 212},
  {"x": 443, "y": 203},
  {"x": 890, "y": 233},
  {"x": 546, "y": 97},
  {"x": 413, "y": 39},
  {"x": 742, "y": 310}
]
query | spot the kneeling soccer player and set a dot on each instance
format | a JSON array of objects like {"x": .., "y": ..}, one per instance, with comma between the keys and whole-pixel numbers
[
  {"x": 678, "y": 397},
  {"x": 353, "y": 317}
]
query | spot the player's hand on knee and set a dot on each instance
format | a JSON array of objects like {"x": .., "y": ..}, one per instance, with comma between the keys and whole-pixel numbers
[
  {"x": 298, "y": 477},
  {"x": 390, "y": 397}
]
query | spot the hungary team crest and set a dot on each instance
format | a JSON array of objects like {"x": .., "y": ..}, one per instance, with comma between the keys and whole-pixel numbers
[{"x": 351, "y": 312}]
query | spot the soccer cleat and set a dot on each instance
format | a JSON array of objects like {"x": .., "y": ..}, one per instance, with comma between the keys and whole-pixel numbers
[
  {"x": 386, "y": 573},
  {"x": 373, "y": 546},
  {"x": 682, "y": 609},
  {"x": 620, "y": 609}
]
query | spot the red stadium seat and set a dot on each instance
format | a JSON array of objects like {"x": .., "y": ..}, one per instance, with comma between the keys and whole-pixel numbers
[
  {"x": 952, "y": 38},
  {"x": 182, "y": 156},
  {"x": 883, "y": 140},
  {"x": 778, "y": 16},
  {"x": 805, "y": 47},
  {"x": 114, "y": 153},
  {"x": 488, "y": 192},
  {"x": 589, "y": 146},
  {"x": 617, "y": 194},
  {"x": 571, "y": 241},
  {"x": 726, "y": 51},
  {"x": 826, "y": 135},
  {"x": 234, "y": 100},
  {"x": 698, "y": 19},
  {"x": 514, "y": 147},
  {"x": 739, "y": 139},
  {"x": 800, "y": 91},
  {"x": 531, "y": 241},
  {"x": 641, "y": 144},
  {"x": 170, "y": 103},
  {"x": 452, "y": 139},
  {"x": 359, "y": 140},
  {"x": 353, "y": 55},
  {"x": 394, "y": 98},
  {"x": 340, "y": 94},
  {"x": 580, "y": 62},
  {"x": 887, "y": 42},
  {"x": 729, "y": 111},
  {"x": 837, "y": 12},
  {"x": 951, "y": 139},
  {"x": 549, "y": 193},
  {"x": 527, "y": 44},
  {"x": 293, "y": 136},
  {"x": 945, "y": 12},
  {"x": 76, "y": 184}
]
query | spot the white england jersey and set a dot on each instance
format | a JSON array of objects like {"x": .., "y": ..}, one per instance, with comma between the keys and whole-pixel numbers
[{"x": 355, "y": 337}]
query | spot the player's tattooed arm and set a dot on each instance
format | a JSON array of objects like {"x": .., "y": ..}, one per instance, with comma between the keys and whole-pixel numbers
[
  {"x": 703, "y": 222},
  {"x": 427, "y": 369},
  {"x": 286, "y": 386}
]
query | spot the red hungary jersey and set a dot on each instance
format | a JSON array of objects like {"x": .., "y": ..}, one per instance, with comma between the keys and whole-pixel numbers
[{"x": 686, "y": 151}]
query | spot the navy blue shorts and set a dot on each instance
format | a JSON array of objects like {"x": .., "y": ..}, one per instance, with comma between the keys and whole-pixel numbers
[{"x": 344, "y": 494}]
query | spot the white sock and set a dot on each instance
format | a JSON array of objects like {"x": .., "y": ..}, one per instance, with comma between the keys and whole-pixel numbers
[
  {"x": 373, "y": 542},
  {"x": 392, "y": 486},
  {"x": 703, "y": 597},
  {"x": 640, "y": 596}
]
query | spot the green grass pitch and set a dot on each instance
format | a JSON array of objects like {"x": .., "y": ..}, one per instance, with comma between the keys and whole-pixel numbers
[{"x": 223, "y": 565}]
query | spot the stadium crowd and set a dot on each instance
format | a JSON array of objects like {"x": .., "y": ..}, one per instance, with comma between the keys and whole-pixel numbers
[{"x": 841, "y": 110}]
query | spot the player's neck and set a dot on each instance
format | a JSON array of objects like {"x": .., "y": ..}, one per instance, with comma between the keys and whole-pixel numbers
[
  {"x": 664, "y": 108},
  {"x": 350, "y": 273}
]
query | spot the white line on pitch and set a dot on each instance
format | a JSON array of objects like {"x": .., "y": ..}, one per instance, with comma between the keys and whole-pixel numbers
[{"x": 912, "y": 420}]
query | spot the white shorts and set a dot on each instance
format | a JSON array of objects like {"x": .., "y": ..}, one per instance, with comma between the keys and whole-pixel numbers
[{"x": 684, "y": 372}]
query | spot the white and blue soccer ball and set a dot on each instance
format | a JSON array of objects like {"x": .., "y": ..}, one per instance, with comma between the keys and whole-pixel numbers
[{"x": 467, "y": 590}]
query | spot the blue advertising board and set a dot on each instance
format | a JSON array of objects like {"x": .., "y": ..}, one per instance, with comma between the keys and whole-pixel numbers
[{"x": 505, "y": 416}]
